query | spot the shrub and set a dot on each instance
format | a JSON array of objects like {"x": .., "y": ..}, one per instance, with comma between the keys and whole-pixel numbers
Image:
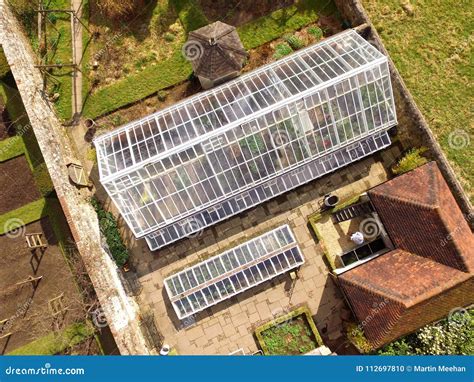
[
  {"x": 282, "y": 50},
  {"x": 109, "y": 228},
  {"x": 356, "y": 336},
  {"x": 316, "y": 32},
  {"x": 170, "y": 37},
  {"x": 411, "y": 160},
  {"x": 294, "y": 41}
]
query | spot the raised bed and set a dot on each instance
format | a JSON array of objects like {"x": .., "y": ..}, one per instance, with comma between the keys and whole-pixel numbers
[{"x": 292, "y": 334}]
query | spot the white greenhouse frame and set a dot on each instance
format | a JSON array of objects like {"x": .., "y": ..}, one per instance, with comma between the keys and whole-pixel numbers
[
  {"x": 225, "y": 150},
  {"x": 234, "y": 271}
]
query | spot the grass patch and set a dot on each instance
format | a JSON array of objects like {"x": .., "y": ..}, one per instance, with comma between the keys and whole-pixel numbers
[
  {"x": 26, "y": 214},
  {"x": 176, "y": 69},
  {"x": 11, "y": 148},
  {"x": 54, "y": 343},
  {"x": 411, "y": 160},
  {"x": 190, "y": 14},
  {"x": 433, "y": 51},
  {"x": 291, "y": 334},
  {"x": 282, "y": 21}
]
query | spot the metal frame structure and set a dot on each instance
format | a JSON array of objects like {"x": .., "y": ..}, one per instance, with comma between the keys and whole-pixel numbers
[
  {"x": 234, "y": 271},
  {"x": 211, "y": 156}
]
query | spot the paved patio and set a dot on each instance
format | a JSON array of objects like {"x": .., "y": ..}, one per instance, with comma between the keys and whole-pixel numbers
[{"x": 229, "y": 325}]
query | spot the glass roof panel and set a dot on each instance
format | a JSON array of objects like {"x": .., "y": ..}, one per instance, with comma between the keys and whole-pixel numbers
[
  {"x": 233, "y": 271},
  {"x": 217, "y": 153}
]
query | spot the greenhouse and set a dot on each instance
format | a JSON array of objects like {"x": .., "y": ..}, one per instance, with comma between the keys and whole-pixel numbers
[
  {"x": 233, "y": 271},
  {"x": 228, "y": 149}
]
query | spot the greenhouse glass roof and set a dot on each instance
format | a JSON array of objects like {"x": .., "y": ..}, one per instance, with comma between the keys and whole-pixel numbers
[
  {"x": 233, "y": 271},
  {"x": 227, "y": 149}
]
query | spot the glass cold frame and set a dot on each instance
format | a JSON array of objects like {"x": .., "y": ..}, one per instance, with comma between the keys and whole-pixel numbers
[
  {"x": 227, "y": 149},
  {"x": 234, "y": 271}
]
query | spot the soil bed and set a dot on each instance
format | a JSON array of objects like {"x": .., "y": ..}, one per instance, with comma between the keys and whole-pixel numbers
[
  {"x": 290, "y": 338},
  {"x": 26, "y": 306},
  {"x": 17, "y": 185}
]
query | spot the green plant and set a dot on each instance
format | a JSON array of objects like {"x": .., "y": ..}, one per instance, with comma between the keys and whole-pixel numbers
[
  {"x": 91, "y": 154},
  {"x": 109, "y": 228},
  {"x": 411, "y": 160},
  {"x": 356, "y": 336},
  {"x": 293, "y": 333},
  {"x": 254, "y": 143},
  {"x": 294, "y": 41},
  {"x": 316, "y": 32},
  {"x": 282, "y": 50},
  {"x": 170, "y": 37}
]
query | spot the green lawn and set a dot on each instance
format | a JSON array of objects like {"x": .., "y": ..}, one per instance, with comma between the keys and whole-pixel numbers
[
  {"x": 433, "y": 52},
  {"x": 176, "y": 69},
  {"x": 54, "y": 343},
  {"x": 26, "y": 214}
]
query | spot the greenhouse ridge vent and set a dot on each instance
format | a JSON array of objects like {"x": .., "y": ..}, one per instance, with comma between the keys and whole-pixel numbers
[{"x": 225, "y": 150}]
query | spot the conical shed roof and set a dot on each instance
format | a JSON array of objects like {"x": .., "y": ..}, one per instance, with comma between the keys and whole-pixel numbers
[{"x": 215, "y": 50}]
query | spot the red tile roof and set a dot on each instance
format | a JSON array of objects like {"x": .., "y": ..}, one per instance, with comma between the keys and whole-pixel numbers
[
  {"x": 421, "y": 216},
  {"x": 431, "y": 269}
]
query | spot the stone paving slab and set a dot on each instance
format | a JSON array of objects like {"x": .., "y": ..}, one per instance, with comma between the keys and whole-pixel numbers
[{"x": 230, "y": 325}]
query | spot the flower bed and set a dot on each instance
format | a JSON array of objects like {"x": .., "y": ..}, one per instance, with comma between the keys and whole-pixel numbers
[{"x": 292, "y": 334}]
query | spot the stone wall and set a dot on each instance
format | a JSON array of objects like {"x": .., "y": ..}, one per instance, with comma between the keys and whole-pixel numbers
[
  {"x": 120, "y": 310},
  {"x": 413, "y": 124}
]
